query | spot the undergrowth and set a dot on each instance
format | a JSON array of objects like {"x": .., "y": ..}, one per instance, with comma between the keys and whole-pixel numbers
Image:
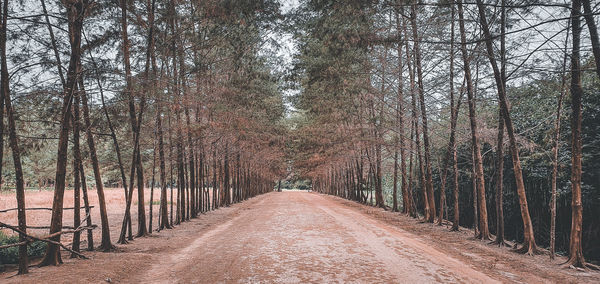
[{"x": 11, "y": 255}]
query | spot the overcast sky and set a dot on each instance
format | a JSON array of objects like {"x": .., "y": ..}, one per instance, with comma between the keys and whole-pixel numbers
[{"x": 288, "y": 47}]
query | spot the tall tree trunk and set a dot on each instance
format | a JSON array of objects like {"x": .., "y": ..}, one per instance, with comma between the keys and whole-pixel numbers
[
  {"x": 422, "y": 180},
  {"x": 142, "y": 229},
  {"x": 14, "y": 142},
  {"x": 453, "y": 118},
  {"x": 395, "y": 174},
  {"x": 556, "y": 146},
  {"x": 214, "y": 183},
  {"x": 415, "y": 140},
  {"x": 76, "y": 173},
  {"x": 575, "y": 249},
  {"x": 221, "y": 184},
  {"x": 380, "y": 201},
  {"x": 152, "y": 185},
  {"x": 200, "y": 164},
  {"x": 60, "y": 73},
  {"x": 86, "y": 204},
  {"x": 54, "y": 47},
  {"x": 3, "y": 46},
  {"x": 500, "y": 140},
  {"x": 206, "y": 183},
  {"x": 377, "y": 176},
  {"x": 192, "y": 169},
  {"x": 164, "y": 218},
  {"x": 163, "y": 211},
  {"x": 180, "y": 172},
  {"x": 593, "y": 29},
  {"x": 484, "y": 232},
  {"x": 529, "y": 245},
  {"x": 170, "y": 167},
  {"x": 475, "y": 195},
  {"x": 199, "y": 183},
  {"x": 176, "y": 93},
  {"x": 427, "y": 150},
  {"x": 456, "y": 219},
  {"x": 105, "y": 244},
  {"x": 187, "y": 102},
  {"x": 407, "y": 182},
  {"x": 499, "y": 182},
  {"x": 75, "y": 14},
  {"x": 226, "y": 178},
  {"x": 419, "y": 152},
  {"x": 187, "y": 187},
  {"x": 113, "y": 136},
  {"x": 127, "y": 216},
  {"x": 132, "y": 118}
]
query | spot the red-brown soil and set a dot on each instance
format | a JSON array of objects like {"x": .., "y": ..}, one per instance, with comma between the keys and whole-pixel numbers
[{"x": 300, "y": 237}]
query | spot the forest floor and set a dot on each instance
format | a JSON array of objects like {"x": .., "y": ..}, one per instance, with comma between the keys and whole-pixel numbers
[{"x": 298, "y": 237}]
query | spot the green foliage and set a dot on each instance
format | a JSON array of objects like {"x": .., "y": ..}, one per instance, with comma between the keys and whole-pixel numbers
[
  {"x": 331, "y": 70},
  {"x": 333, "y": 58},
  {"x": 534, "y": 113},
  {"x": 301, "y": 184},
  {"x": 11, "y": 255}
]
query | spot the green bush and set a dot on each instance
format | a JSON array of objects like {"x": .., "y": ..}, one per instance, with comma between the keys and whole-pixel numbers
[{"x": 11, "y": 255}]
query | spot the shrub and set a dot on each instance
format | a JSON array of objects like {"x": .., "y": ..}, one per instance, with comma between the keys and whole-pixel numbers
[{"x": 11, "y": 255}]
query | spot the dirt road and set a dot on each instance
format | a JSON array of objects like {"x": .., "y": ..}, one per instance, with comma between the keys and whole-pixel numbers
[
  {"x": 300, "y": 237},
  {"x": 295, "y": 237}
]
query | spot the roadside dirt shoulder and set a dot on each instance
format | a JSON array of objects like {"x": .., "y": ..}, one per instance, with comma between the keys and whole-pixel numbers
[{"x": 499, "y": 262}]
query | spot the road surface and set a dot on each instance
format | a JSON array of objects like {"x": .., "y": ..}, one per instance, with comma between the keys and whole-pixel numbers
[{"x": 300, "y": 237}]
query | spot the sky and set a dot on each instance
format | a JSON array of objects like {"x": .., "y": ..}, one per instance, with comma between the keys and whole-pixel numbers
[
  {"x": 288, "y": 45},
  {"x": 287, "y": 49}
]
